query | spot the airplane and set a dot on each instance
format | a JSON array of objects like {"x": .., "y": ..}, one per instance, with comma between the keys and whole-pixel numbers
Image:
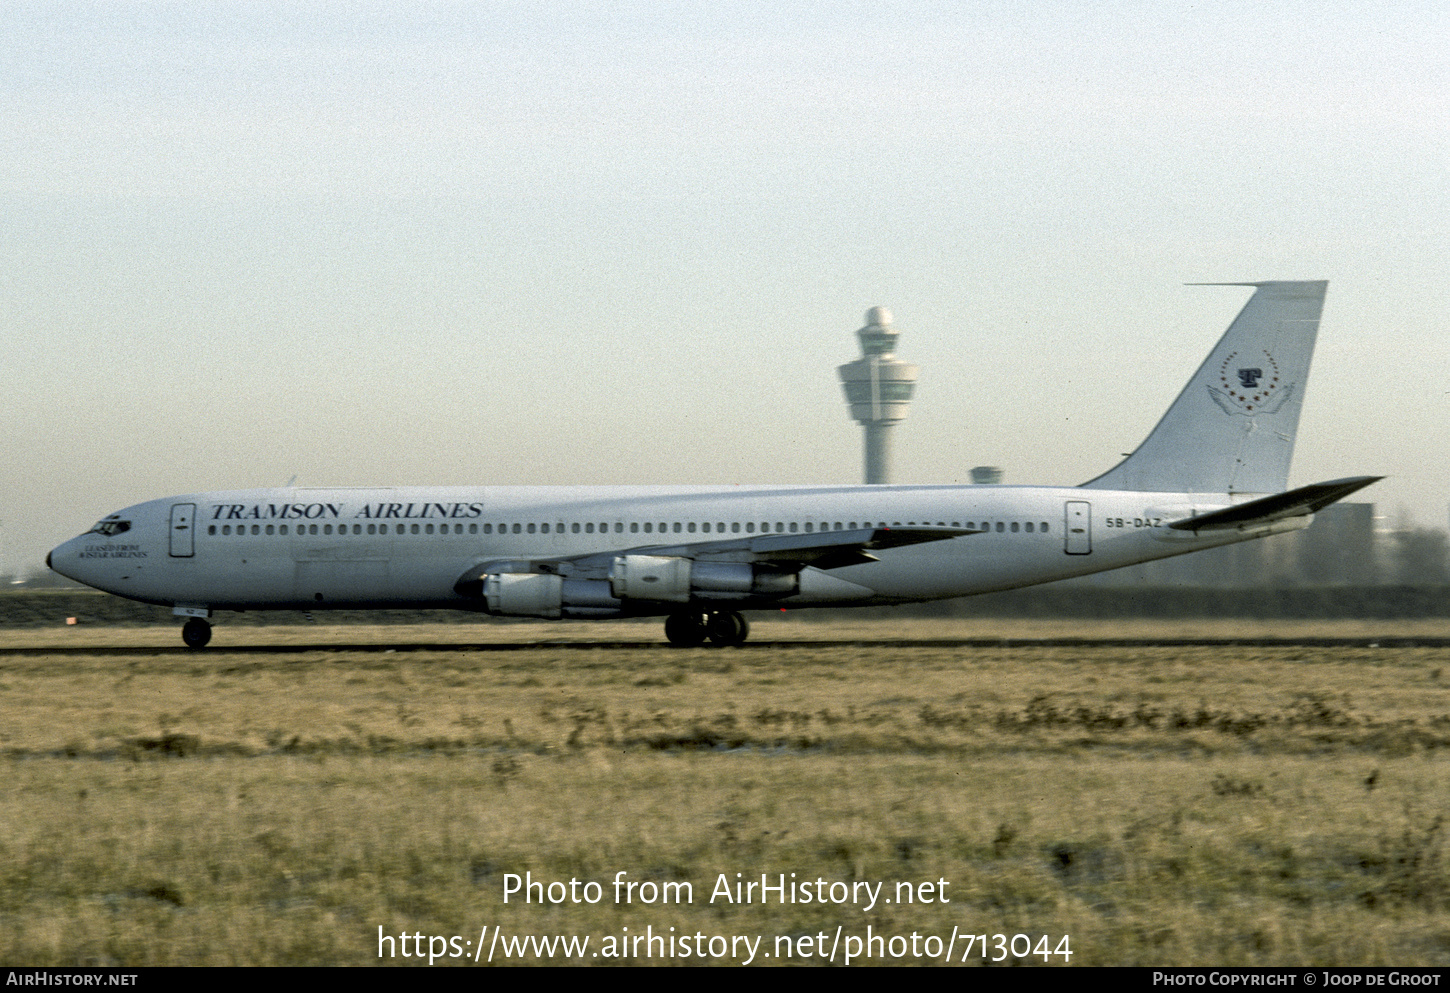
[{"x": 1213, "y": 472}]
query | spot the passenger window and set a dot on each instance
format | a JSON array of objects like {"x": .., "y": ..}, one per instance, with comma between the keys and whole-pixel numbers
[
  {"x": 677, "y": 527},
  {"x": 518, "y": 529},
  {"x": 226, "y": 529},
  {"x": 270, "y": 529},
  {"x": 690, "y": 527},
  {"x": 1001, "y": 527},
  {"x": 1015, "y": 526},
  {"x": 649, "y": 527},
  {"x": 1044, "y": 527},
  {"x": 211, "y": 530},
  {"x": 619, "y": 527},
  {"x": 282, "y": 529},
  {"x": 749, "y": 527},
  {"x": 793, "y": 527},
  {"x": 1029, "y": 527},
  {"x": 735, "y": 527},
  {"x": 327, "y": 529}
]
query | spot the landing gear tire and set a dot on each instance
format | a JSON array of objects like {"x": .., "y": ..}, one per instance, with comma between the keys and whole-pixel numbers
[
  {"x": 727, "y": 628},
  {"x": 196, "y": 633},
  {"x": 686, "y": 630}
]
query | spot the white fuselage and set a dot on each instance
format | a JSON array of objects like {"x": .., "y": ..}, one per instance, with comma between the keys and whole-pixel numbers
[{"x": 311, "y": 549}]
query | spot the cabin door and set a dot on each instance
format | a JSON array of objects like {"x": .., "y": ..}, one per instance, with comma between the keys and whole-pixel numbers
[
  {"x": 1078, "y": 524},
  {"x": 183, "y": 530}
]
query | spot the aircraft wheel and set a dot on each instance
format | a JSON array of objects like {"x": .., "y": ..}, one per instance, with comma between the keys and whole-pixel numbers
[
  {"x": 685, "y": 630},
  {"x": 728, "y": 628},
  {"x": 196, "y": 633}
]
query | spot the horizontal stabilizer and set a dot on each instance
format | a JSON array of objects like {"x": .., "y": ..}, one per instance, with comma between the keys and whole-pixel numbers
[{"x": 1265, "y": 510}]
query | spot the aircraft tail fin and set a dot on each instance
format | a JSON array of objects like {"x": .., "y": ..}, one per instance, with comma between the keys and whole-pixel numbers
[{"x": 1232, "y": 428}]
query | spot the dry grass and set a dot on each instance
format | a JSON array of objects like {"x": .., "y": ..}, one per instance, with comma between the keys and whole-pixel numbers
[{"x": 1159, "y": 805}]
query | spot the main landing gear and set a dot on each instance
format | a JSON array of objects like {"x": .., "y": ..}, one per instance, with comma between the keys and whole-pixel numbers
[
  {"x": 724, "y": 627},
  {"x": 196, "y": 633}
]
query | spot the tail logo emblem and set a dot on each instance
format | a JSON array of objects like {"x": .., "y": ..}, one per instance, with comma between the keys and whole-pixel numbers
[{"x": 1248, "y": 386}]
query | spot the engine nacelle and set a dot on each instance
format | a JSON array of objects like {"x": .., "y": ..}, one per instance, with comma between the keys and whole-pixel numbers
[
  {"x": 532, "y": 594},
  {"x": 673, "y": 579},
  {"x": 641, "y": 578},
  {"x": 526, "y": 594},
  {"x": 651, "y": 577}
]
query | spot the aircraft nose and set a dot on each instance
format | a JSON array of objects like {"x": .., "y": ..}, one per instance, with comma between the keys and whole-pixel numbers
[{"x": 63, "y": 560}]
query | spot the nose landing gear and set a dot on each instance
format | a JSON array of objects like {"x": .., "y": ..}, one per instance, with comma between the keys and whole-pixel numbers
[
  {"x": 196, "y": 633},
  {"x": 723, "y": 628}
]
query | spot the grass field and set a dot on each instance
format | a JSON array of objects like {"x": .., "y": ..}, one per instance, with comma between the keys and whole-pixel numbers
[{"x": 1155, "y": 805}]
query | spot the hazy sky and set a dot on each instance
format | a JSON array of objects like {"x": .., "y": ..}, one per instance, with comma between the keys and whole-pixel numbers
[{"x": 473, "y": 243}]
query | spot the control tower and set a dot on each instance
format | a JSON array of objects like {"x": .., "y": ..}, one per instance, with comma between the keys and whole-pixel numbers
[{"x": 878, "y": 387}]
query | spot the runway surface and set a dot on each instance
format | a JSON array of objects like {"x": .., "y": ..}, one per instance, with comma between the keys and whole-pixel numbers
[{"x": 218, "y": 648}]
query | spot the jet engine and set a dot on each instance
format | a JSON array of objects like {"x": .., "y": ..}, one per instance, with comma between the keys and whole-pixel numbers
[
  {"x": 638, "y": 578},
  {"x": 533, "y": 594},
  {"x": 672, "y": 579}
]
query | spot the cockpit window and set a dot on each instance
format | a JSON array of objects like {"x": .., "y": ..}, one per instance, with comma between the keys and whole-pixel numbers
[{"x": 110, "y": 528}]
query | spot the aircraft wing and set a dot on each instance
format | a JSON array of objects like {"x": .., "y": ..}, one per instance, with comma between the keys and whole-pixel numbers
[
  {"x": 787, "y": 552},
  {"x": 1265, "y": 510}
]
